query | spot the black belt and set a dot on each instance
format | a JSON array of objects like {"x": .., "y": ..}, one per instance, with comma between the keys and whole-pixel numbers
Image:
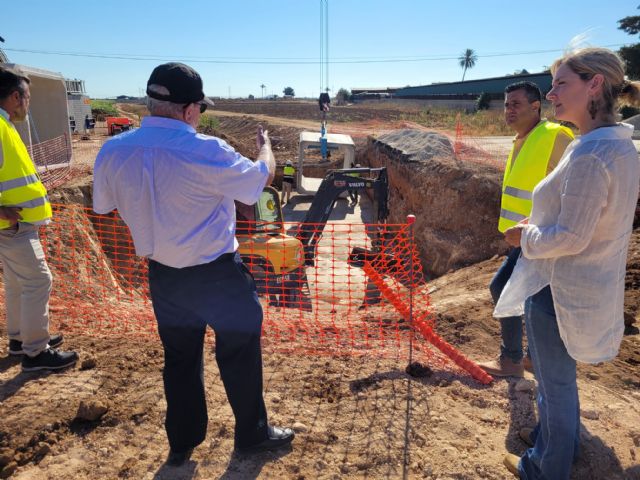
[{"x": 225, "y": 257}]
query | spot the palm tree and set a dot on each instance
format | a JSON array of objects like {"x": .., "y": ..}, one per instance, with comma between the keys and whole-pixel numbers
[
  {"x": 262, "y": 87},
  {"x": 468, "y": 59},
  {"x": 3, "y": 56}
]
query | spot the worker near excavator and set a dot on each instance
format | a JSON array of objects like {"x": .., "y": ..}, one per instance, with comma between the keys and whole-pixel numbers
[
  {"x": 175, "y": 189},
  {"x": 288, "y": 174},
  {"x": 353, "y": 193},
  {"x": 537, "y": 149},
  {"x": 24, "y": 206}
]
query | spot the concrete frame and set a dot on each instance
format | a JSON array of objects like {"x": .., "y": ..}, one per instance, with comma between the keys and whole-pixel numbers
[{"x": 311, "y": 140}]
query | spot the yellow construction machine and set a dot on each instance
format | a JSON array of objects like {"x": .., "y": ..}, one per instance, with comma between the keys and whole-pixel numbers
[{"x": 278, "y": 260}]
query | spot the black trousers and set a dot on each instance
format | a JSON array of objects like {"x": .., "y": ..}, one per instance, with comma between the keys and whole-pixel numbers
[{"x": 221, "y": 294}]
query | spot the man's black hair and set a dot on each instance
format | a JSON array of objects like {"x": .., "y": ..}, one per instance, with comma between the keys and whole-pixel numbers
[
  {"x": 531, "y": 90},
  {"x": 11, "y": 80}
]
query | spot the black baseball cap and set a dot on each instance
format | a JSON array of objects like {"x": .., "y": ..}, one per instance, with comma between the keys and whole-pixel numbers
[{"x": 182, "y": 81}]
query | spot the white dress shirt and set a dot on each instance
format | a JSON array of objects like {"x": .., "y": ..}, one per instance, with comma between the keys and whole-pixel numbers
[
  {"x": 577, "y": 241},
  {"x": 175, "y": 190}
]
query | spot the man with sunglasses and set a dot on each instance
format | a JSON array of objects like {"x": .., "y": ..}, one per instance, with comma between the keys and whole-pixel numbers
[
  {"x": 24, "y": 206},
  {"x": 175, "y": 189}
]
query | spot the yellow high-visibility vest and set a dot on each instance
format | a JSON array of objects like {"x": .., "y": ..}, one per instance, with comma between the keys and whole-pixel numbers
[
  {"x": 20, "y": 185},
  {"x": 288, "y": 171},
  {"x": 529, "y": 169}
]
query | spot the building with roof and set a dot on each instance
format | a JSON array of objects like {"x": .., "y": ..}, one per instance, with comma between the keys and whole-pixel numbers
[
  {"x": 45, "y": 132},
  {"x": 462, "y": 95}
]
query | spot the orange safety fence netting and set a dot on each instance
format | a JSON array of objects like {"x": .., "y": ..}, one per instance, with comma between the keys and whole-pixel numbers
[
  {"x": 486, "y": 150},
  {"x": 360, "y": 292}
]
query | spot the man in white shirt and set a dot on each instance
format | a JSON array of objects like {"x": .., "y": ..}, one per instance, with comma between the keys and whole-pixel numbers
[{"x": 175, "y": 189}]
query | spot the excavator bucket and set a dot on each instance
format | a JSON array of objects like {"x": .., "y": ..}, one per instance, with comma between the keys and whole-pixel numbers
[{"x": 360, "y": 255}]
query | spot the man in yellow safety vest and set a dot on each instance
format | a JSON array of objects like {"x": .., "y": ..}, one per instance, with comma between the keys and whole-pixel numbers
[
  {"x": 288, "y": 175},
  {"x": 23, "y": 207},
  {"x": 353, "y": 194},
  {"x": 537, "y": 149}
]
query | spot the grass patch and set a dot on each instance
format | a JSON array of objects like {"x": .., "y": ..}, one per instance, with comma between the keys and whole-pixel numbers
[
  {"x": 478, "y": 123},
  {"x": 103, "y": 108},
  {"x": 208, "y": 123}
]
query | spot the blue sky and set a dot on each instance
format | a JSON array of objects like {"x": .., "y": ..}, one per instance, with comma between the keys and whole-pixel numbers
[{"x": 209, "y": 34}]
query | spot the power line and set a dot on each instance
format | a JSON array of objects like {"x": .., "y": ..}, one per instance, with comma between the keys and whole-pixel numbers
[{"x": 285, "y": 60}]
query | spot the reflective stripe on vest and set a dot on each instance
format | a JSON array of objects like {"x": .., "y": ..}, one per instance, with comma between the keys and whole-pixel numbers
[
  {"x": 20, "y": 185},
  {"x": 522, "y": 176},
  {"x": 18, "y": 182},
  {"x": 518, "y": 193},
  {"x": 515, "y": 217}
]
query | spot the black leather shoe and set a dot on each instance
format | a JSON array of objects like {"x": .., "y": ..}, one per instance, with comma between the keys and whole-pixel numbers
[
  {"x": 176, "y": 459},
  {"x": 15, "y": 346},
  {"x": 276, "y": 437}
]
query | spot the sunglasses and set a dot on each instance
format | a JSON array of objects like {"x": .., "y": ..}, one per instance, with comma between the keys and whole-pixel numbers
[{"x": 203, "y": 106}]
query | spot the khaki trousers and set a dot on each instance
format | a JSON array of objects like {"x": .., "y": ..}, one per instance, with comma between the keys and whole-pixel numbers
[{"x": 27, "y": 284}]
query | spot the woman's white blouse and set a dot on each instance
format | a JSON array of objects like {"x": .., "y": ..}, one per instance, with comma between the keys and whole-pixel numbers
[{"x": 577, "y": 241}]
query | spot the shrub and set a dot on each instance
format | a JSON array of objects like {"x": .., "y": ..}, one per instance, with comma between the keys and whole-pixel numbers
[
  {"x": 483, "y": 102},
  {"x": 628, "y": 111},
  {"x": 208, "y": 123}
]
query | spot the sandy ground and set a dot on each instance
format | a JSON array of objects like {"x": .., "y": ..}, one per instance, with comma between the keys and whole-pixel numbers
[{"x": 355, "y": 416}]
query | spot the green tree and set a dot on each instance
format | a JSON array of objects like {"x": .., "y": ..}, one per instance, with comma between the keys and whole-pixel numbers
[
  {"x": 631, "y": 53},
  {"x": 343, "y": 96},
  {"x": 289, "y": 91},
  {"x": 484, "y": 101},
  {"x": 631, "y": 57},
  {"x": 468, "y": 59},
  {"x": 630, "y": 24}
]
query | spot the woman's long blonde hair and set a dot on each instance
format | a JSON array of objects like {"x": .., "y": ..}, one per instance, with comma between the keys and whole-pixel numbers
[{"x": 616, "y": 89}]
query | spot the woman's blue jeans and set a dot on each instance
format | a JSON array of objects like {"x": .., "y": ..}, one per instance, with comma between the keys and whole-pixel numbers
[{"x": 557, "y": 435}]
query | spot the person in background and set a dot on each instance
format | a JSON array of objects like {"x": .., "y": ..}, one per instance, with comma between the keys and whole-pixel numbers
[
  {"x": 537, "y": 148},
  {"x": 353, "y": 193},
  {"x": 288, "y": 175},
  {"x": 570, "y": 280},
  {"x": 175, "y": 189},
  {"x": 24, "y": 206}
]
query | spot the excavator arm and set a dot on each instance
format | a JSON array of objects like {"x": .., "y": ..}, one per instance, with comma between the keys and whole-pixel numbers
[{"x": 335, "y": 183}]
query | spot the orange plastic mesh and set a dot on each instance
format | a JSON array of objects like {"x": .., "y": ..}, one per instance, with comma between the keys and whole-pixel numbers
[
  {"x": 365, "y": 293},
  {"x": 483, "y": 150}
]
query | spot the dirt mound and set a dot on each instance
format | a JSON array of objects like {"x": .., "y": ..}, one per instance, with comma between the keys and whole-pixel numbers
[
  {"x": 456, "y": 203},
  {"x": 240, "y": 133},
  {"x": 416, "y": 145}
]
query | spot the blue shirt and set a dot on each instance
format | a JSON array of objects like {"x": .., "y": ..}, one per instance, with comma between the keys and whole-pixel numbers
[{"x": 175, "y": 190}]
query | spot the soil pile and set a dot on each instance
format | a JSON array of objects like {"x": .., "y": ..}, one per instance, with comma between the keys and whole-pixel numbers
[{"x": 456, "y": 203}]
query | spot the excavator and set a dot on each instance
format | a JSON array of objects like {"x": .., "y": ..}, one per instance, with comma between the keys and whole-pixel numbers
[{"x": 278, "y": 259}]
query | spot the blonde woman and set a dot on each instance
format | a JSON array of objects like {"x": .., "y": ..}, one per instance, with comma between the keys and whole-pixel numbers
[{"x": 569, "y": 281}]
